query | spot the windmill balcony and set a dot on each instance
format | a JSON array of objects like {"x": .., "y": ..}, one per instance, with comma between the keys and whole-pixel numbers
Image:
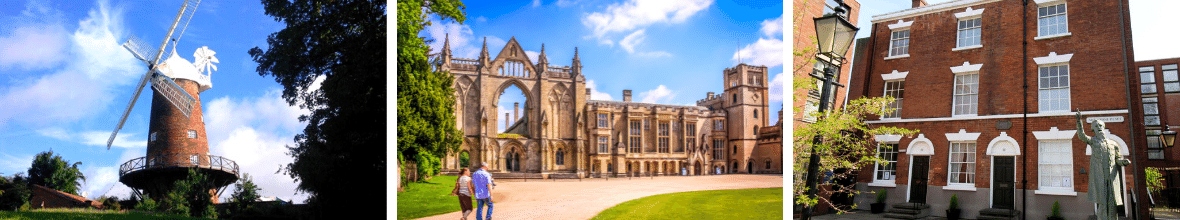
[{"x": 159, "y": 171}]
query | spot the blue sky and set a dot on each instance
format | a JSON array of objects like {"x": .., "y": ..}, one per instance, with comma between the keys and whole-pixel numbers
[
  {"x": 1146, "y": 15},
  {"x": 64, "y": 82},
  {"x": 668, "y": 53}
]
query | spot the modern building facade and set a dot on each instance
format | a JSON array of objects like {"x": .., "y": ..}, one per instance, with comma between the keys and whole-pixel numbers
[
  {"x": 993, "y": 86},
  {"x": 561, "y": 133},
  {"x": 1159, "y": 86}
]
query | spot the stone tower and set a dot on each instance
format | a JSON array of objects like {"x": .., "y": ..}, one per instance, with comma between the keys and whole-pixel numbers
[{"x": 746, "y": 109}]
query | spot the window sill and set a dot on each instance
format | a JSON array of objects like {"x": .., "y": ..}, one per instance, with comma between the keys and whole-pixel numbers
[
  {"x": 897, "y": 57},
  {"x": 1055, "y": 192},
  {"x": 1052, "y": 36},
  {"x": 883, "y": 184},
  {"x": 964, "y": 116},
  {"x": 967, "y": 47},
  {"x": 959, "y": 187}
]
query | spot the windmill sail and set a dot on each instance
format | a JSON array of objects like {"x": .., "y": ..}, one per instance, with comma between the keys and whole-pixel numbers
[
  {"x": 140, "y": 50},
  {"x": 152, "y": 65},
  {"x": 173, "y": 93}
]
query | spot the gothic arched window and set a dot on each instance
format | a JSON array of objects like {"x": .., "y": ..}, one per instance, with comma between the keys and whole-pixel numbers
[{"x": 560, "y": 157}]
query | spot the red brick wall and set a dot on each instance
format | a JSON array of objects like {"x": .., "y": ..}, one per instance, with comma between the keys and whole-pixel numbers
[{"x": 172, "y": 126}]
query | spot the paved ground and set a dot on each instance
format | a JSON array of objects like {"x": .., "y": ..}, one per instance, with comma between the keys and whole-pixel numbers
[
  {"x": 566, "y": 199},
  {"x": 861, "y": 214},
  {"x": 1165, "y": 213}
]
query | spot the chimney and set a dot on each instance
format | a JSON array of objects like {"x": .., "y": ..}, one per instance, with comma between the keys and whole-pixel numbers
[
  {"x": 507, "y": 121},
  {"x": 516, "y": 110},
  {"x": 919, "y": 3},
  {"x": 709, "y": 95},
  {"x": 627, "y": 95}
]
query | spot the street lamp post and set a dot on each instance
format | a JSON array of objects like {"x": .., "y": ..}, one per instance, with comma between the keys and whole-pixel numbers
[
  {"x": 834, "y": 34},
  {"x": 1168, "y": 137}
]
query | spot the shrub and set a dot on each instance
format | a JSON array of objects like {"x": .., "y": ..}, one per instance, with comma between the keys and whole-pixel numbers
[
  {"x": 15, "y": 193},
  {"x": 881, "y": 196},
  {"x": 1056, "y": 212},
  {"x": 147, "y": 205},
  {"x": 954, "y": 201},
  {"x": 110, "y": 202},
  {"x": 244, "y": 195}
]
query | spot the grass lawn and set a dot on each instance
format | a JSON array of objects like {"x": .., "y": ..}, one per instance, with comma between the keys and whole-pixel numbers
[
  {"x": 428, "y": 199},
  {"x": 712, "y": 204},
  {"x": 59, "y": 213}
]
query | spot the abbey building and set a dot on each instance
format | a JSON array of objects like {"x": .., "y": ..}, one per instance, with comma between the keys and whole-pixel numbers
[{"x": 560, "y": 133}]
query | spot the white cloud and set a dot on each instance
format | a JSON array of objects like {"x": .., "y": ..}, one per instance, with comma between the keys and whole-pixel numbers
[
  {"x": 635, "y": 14},
  {"x": 464, "y": 44},
  {"x": 10, "y": 164},
  {"x": 254, "y": 132},
  {"x": 660, "y": 94},
  {"x": 776, "y": 88},
  {"x": 765, "y": 51},
  {"x": 566, "y": 3},
  {"x": 773, "y": 28},
  {"x": 37, "y": 40},
  {"x": 536, "y": 3},
  {"x": 628, "y": 43},
  {"x": 594, "y": 93},
  {"x": 98, "y": 69},
  {"x": 481, "y": 19},
  {"x": 768, "y": 52},
  {"x": 533, "y": 55},
  {"x": 654, "y": 54},
  {"x": 97, "y": 138},
  {"x": 55, "y": 133},
  {"x": 99, "y": 180}
]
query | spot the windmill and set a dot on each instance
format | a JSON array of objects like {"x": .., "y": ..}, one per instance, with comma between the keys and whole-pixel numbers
[{"x": 177, "y": 141}]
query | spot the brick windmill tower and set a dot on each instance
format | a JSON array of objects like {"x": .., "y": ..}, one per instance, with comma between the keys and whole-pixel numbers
[{"x": 176, "y": 141}]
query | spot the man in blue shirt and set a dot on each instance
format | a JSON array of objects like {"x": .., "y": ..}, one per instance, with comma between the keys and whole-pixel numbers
[{"x": 483, "y": 191}]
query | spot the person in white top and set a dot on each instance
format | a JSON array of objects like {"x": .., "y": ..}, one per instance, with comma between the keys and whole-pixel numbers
[{"x": 463, "y": 189}]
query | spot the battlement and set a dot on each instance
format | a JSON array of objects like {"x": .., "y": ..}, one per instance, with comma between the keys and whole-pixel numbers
[{"x": 709, "y": 98}]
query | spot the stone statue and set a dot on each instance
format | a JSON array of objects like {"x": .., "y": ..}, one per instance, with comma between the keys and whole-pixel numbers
[{"x": 1105, "y": 187}]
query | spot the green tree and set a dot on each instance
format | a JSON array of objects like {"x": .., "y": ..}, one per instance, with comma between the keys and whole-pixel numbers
[
  {"x": 244, "y": 195},
  {"x": 339, "y": 159},
  {"x": 425, "y": 99},
  {"x": 846, "y": 139},
  {"x": 52, "y": 171},
  {"x": 190, "y": 196},
  {"x": 147, "y": 205},
  {"x": 110, "y": 202},
  {"x": 14, "y": 192}
]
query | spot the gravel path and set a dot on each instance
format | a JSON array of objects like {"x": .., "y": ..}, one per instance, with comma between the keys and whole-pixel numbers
[{"x": 570, "y": 199}]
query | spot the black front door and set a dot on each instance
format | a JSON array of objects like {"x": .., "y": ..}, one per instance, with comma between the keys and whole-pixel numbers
[
  {"x": 1005, "y": 184},
  {"x": 920, "y": 172}
]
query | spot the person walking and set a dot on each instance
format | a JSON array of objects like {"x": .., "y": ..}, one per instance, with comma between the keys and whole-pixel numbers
[
  {"x": 483, "y": 191},
  {"x": 463, "y": 188}
]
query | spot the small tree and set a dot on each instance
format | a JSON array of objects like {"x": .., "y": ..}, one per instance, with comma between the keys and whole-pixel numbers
[
  {"x": 1155, "y": 180},
  {"x": 244, "y": 195},
  {"x": 110, "y": 202},
  {"x": 147, "y": 204},
  {"x": 846, "y": 141},
  {"x": 52, "y": 171}
]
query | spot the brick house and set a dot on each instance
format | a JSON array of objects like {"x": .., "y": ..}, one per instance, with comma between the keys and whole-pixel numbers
[
  {"x": 44, "y": 197},
  {"x": 992, "y": 86}
]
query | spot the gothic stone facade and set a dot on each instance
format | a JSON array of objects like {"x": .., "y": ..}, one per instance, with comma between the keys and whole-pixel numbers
[
  {"x": 563, "y": 134},
  {"x": 958, "y": 71}
]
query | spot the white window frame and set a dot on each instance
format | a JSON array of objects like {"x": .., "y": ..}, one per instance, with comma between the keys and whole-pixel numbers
[
  {"x": 957, "y": 96},
  {"x": 897, "y": 43},
  {"x": 898, "y": 95},
  {"x": 1042, "y": 161},
  {"x": 1151, "y": 118},
  {"x": 1171, "y": 78},
  {"x": 1147, "y": 80},
  {"x": 877, "y": 181},
  {"x": 895, "y": 28},
  {"x": 192, "y": 134},
  {"x": 1055, "y": 135},
  {"x": 1062, "y": 68},
  {"x": 153, "y": 136},
  {"x": 973, "y": 158},
  {"x": 972, "y": 35},
  {"x": 1053, "y": 59},
  {"x": 1043, "y": 5}
]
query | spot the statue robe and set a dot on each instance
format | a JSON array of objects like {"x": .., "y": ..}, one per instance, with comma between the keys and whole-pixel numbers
[{"x": 1105, "y": 185}]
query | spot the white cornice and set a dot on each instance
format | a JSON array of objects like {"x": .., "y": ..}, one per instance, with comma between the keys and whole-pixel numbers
[
  {"x": 901, "y": 25},
  {"x": 920, "y": 146},
  {"x": 1054, "y": 134},
  {"x": 887, "y": 138},
  {"x": 1047, "y": 2},
  {"x": 1030, "y": 115},
  {"x": 969, "y": 13},
  {"x": 962, "y": 136},
  {"x": 928, "y": 9},
  {"x": 894, "y": 76},
  {"x": 966, "y": 68},
  {"x": 1053, "y": 58}
]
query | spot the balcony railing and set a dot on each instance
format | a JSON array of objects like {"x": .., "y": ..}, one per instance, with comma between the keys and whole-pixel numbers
[{"x": 179, "y": 160}]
